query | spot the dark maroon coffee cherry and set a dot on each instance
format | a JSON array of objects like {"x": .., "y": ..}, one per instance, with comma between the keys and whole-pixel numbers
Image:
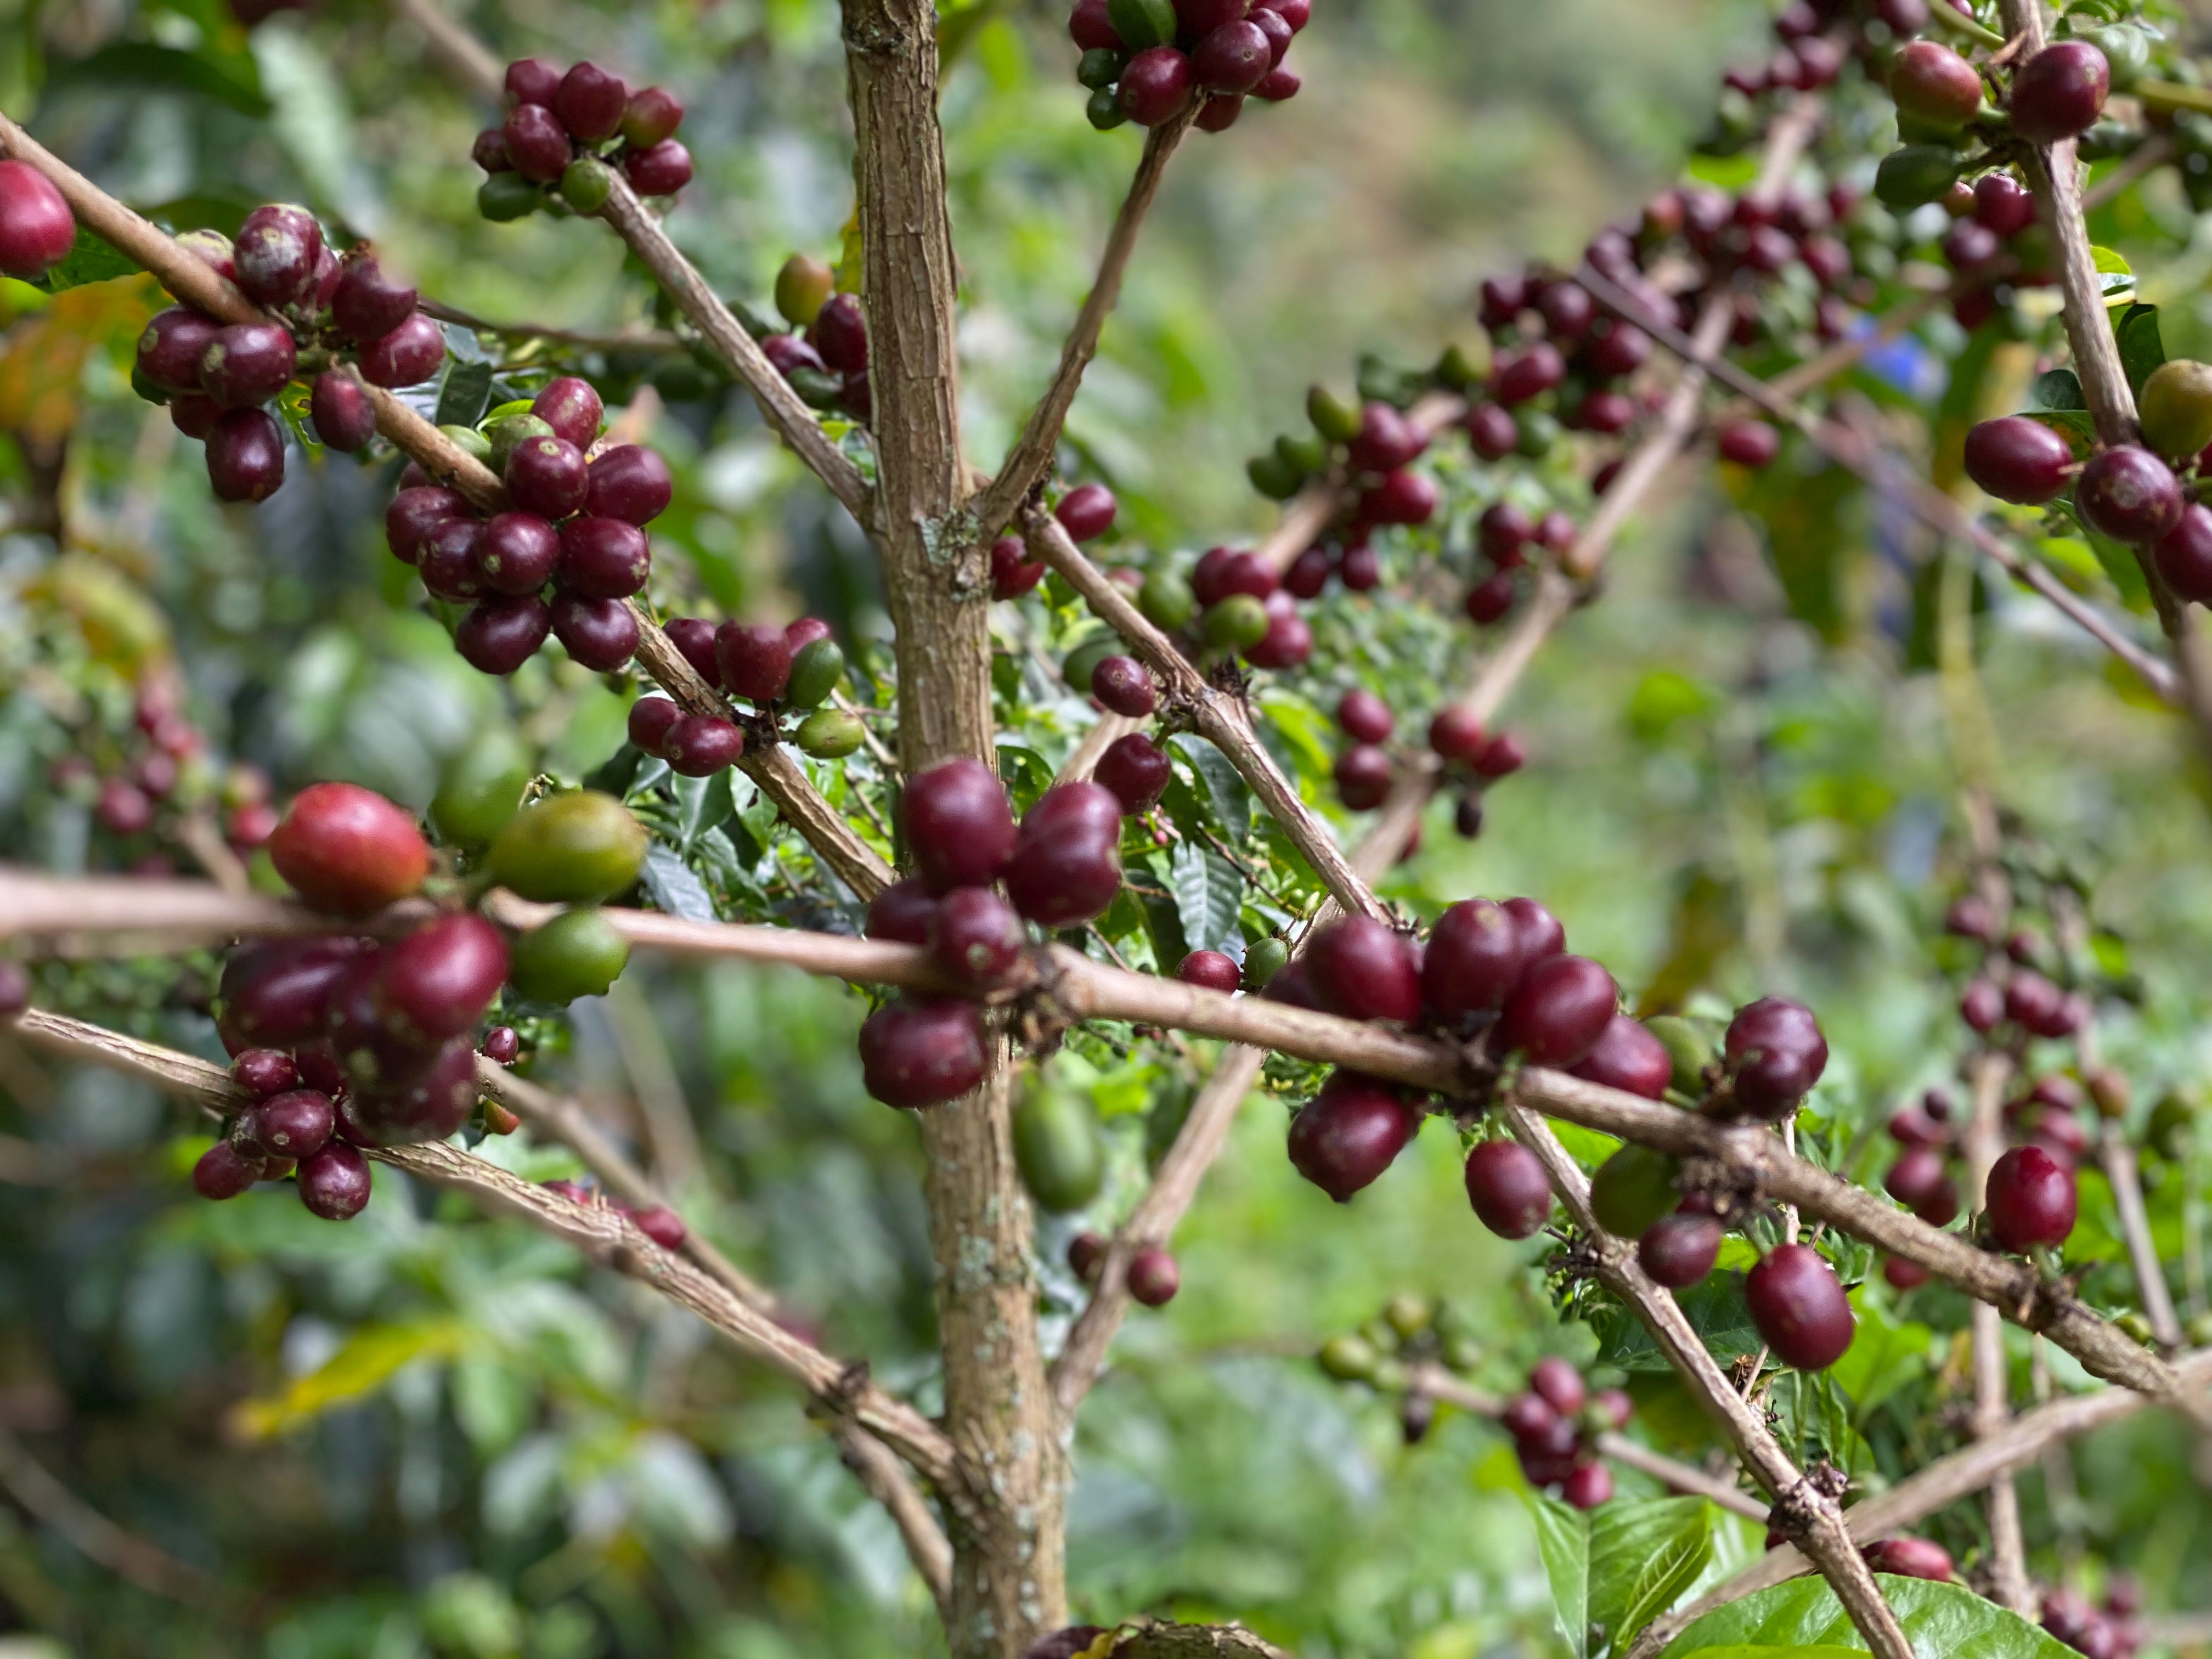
[
  {"x": 265, "y": 1071},
  {"x": 840, "y": 332},
  {"x": 1910, "y": 1557},
  {"x": 1221, "y": 572},
  {"x": 1490, "y": 598},
  {"x": 650, "y": 719},
  {"x": 662, "y": 169},
  {"x": 650, "y": 115},
  {"x": 2184, "y": 554},
  {"x": 422, "y": 1103},
  {"x": 1539, "y": 931},
  {"x": 959, "y": 828},
  {"x": 922, "y": 1051},
  {"x": 447, "y": 559},
  {"x": 803, "y": 633},
  {"x": 500, "y": 634},
  {"x": 412, "y": 354},
  {"x": 700, "y": 745},
  {"x": 1365, "y": 717},
  {"x": 340, "y": 409},
  {"x": 1903, "y": 1275},
  {"x": 367, "y": 304},
  {"x": 1350, "y": 1132},
  {"x": 1970, "y": 246},
  {"x": 414, "y": 513},
  {"x": 1364, "y": 775},
  {"x": 2128, "y": 493},
  {"x": 2030, "y": 1199},
  {"x": 2018, "y": 460},
  {"x": 1386, "y": 439},
  {"x": 630, "y": 483},
  {"x": 1678, "y": 1251},
  {"x": 489, "y": 151},
  {"x": 1293, "y": 12},
  {"x": 694, "y": 637},
  {"x": 601, "y": 635},
  {"x": 1800, "y": 1310},
  {"x": 1500, "y": 758},
  {"x": 1558, "y": 1011},
  {"x": 1398, "y": 497},
  {"x": 2033, "y": 1003},
  {"x": 1531, "y": 1418},
  {"x": 1066, "y": 864},
  {"x": 1981, "y": 1005},
  {"x": 1125, "y": 686},
  {"x": 590, "y": 103},
  {"x": 1361, "y": 970},
  {"x": 1211, "y": 969},
  {"x": 437, "y": 982},
  {"x": 1526, "y": 374},
  {"x": 754, "y": 659},
  {"x": 1568, "y": 310},
  {"x": 1153, "y": 1277},
  {"x": 1086, "y": 512},
  {"x": 274, "y": 254},
  {"x": 1916, "y": 1177},
  {"x": 533, "y": 81},
  {"x": 1455, "y": 733},
  {"x": 1232, "y": 59},
  {"x": 1288, "y": 641},
  {"x": 975, "y": 938},
  {"x": 1196, "y": 19},
  {"x": 1507, "y": 1186},
  {"x": 123, "y": 808},
  {"x": 500, "y": 1045},
  {"x": 571, "y": 408},
  {"x": 1934, "y": 85},
  {"x": 1474, "y": 958},
  {"x": 273, "y": 994},
  {"x": 170, "y": 350},
  {"x": 1775, "y": 1053},
  {"x": 334, "y": 1183},
  {"x": 1156, "y": 86},
  {"x": 517, "y": 552},
  {"x": 224, "y": 1172},
  {"x": 246, "y": 456},
  {"x": 1137, "y": 770},
  {"x": 1749, "y": 443},
  {"x": 2060, "y": 92},
  {"x": 2002, "y": 204},
  {"x": 37, "y": 230},
  {"x": 194, "y": 413},
  {"x": 547, "y": 476},
  {"x": 603, "y": 558},
  {"x": 1628, "y": 1057},
  {"x": 1587, "y": 1486},
  {"x": 1489, "y": 428},
  {"x": 902, "y": 911},
  {"x": 291, "y": 1125},
  {"x": 1559, "y": 1385},
  {"x": 1086, "y": 1255},
  {"x": 535, "y": 144},
  {"x": 1013, "y": 572},
  {"x": 246, "y": 364}
]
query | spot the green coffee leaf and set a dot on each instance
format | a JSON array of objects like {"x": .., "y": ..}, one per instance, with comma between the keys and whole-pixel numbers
[
  {"x": 1208, "y": 895},
  {"x": 1941, "y": 1621}
]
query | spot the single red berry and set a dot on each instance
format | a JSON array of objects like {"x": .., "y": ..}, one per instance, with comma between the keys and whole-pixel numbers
[
  {"x": 412, "y": 354},
  {"x": 265, "y": 1071},
  {"x": 1503, "y": 531},
  {"x": 1013, "y": 572},
  {"x": 437, "y": 982},
  {"x": 1293, "y": 12},
  {"x": 1211, "y": 969},
  {"x": 840, "y": 332},
  {"x": 1749, "y": 443},
  {"x": 590, "y": 103},
  {"x": 661, "y": 170},
  {"x": 1195, "y": 19},
  {"x": 1490, "y": 598},
  {"x": 1086, "y": 1255},
  {"x": 1539, "y": 931},
  {"x": 291, "y": 1125},
  {"x": 1222, "y": 573},
  {"x": 1560, "y": 1010},
  {"x": 2030, "y": 1199},
  {"x": 1917, "y": 1176},
  {"x": 571, "y": 408},
  {"x": 1455, "y": 733},
  {"x": 500, "y": 1045},
  {"x": 2033, "y": 1003},
  {"x": 535, "y": 144},
  {"x": 959, "y": 827},
  {"x": 1678, "y": 1251},
  {"x": 517, "y": 553},
  {"x": 1086, "y": 512},
  {"x": 224, "y": 1172},
  {"x": 2002, "y": 204},
  {"x": 1500, "y": 758},
  {"x": 414, "y": 513},
  {"x": 1775, "y": 1053},
  {"x": 1568, "y": 310},
  {"x": 1362, "y": 969},
  {"x": 1125, "y": 686},
  {"x": 1903, "y": 1275},
  {"x": 548, "y": 477},
  {"x": 1933, "y": 84},
  {"x": 754, "y": 659},
  {"x": 499, "y": 634},
  {"x": 700, "y": 745},
  {"x": 347, "y": 850},
  {"x": 1365, "y": 717},
  {"x": 1232, "y": 59},
  {"x": 652, "y": 115},
  {"x": 2128, "y": 493},
  {"x": 447, "y": 559},
  {"x": 170, "y": 350},
  {"x": 276, "y": 253},
  {"x": 1066, "y": 867},
  {"x": 1350, "y": 1132},
  {"x": 1153, "y": 1277},
  {"x": 1279, "y": 32},
  {"x": 533, "y": 81},
  {"x": 246, "y": 364},
  {"x": 334, "y": 1183},
  {"x": 902, "y": 911},
  {"x": 1475, "y": 956},
  {"x": 1155, "y": 86},
  {"x": 489, "y": 151},
  {"x": 1799, "y": 1308},
  {"x": 37, "y": 229},
  {"x": 1627, "y": 1056},
  {"x": 1386, "y": 439},
  {"x": 1137, "y": 770},
  {"x": 975, "y": 936},
  {"x": 630, "y": 483},
  {"x": 367, "y": 304},
  {"x": 921, "y": 1051},
  {"x": 1559, "y": 1385},
  {"x": 2060, "y": 92},
  {"x": 343, "y": 418},
  {"x": 1508, "y": 1188},
  {"x": 273, "y": 994},
  {"x": 425, "y": 1102},
  {"x": 2184, "y": 554},
  {"x": 694, "y": 637},
  {"x": 1364, "y": 775},
  {"x": 123, "y": 808},
  {"x": 1399, "y": 497},
  {"x": 1529, "y": 1417},
  {"x": 1982, "y": 1005},
  {"x": 650, "y": 717},
  {"x": 662, "y": 1225},
  {"x": 1910, "y": 1557},
  {"x": 1360, "y": 569},
  {"x": 1520, "y": 375}
]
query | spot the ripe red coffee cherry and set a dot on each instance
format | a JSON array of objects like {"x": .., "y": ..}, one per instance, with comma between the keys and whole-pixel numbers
[
  {"x": 650, "y": 719},
  {"x": 1013, "y": 572},
  {"x": 2018, "y": 460},
  {"x": 276, "y": 253},
  {"x": 1195, "y": 19},
  {"x": 1091, "y": 28},
  {"x": 170, "y": 350},
  {"x": 340, "y": 409},
  {"x": 1399, "y": 497},
  {"x": 651, "y": 115},
  {"x": 414, "y": 513},
  {"x": 489, "y": 151},
  {"x": 2128, "y": 494},
  {"x": 247, "y": 364},
  {"x": 1350, "y": 1132},
  {"x": 921, "y": 1051},
  {"x": 1293, "y": 12},
  {"x": 1567, "y": 308},
  {"x": 367, "y": 304},
  {"x": 1232, "y": 59},
  {"x": 533, "y": 81},
  {"x": 1775, "y": 1053},
  {"x": 1086, "y": 512},
  {"x": 1910, "y": 1557},
  {"x": 2003, "y": 205},
  {"x": 1280, "y": 35},
  {"x": 264, "y": 1071},
  {"x": 630, "y": 483},
  {"x": 1490, "y": 598},
  {"x": 500, "y": 634},
  {"x": 408, "y": 356},
  {"x": 1933, "y": 84},
  {"x": 2030, "y": 1199},
  {"x": 1363, "y": 775},
  {"x": 1800, "y": 1310},
  {"x": 1678, "y": 1251},
  {"x": 975, "y": 936},
  {"x": 1749, "y": 443},
  {"x": 1902, "y": 1275},
  {"x": 2033, "y": 1003},
  {"x": 347, "y": 850},
  {"x": 571, "y": 408},
  {"x": 1539, "y": 931},
  {"x": 803, "y": 632},
  {"x": 1211, "y": 969},
  {"x": 1627, "y": 1056},
  {"x": 754, "y": 659},
  {"x": 1137, "y": 770},
  {"x": 1981, "y": 1005},
  {"x": 1507, "y": 1186},
  {"x": 663, "y": 169},
  {"x": 273, "y": 994},
  {"x": 1386, "y": 439},
  {"x": 291, "y": 1125},
  {"x": 903, "y": 912},
  {"x": 547, "y": 476},
  {"x": 1503, "y": 531},
  {"x": 37, "y": 229},
  {"x": 700, "y": 745},
  {"x": 1523, "y": 375},
  {"x": 1558, "y": 1011},
  {"x": 334, "y": 1183},
  {"x": 1529, "y": 1417},
  {"x": 1153, "y": 1277},
  {"x": 959, "y": 827},
  {"x": 1587, "y": 1486},
  {"x": 694, "y": 637},
  {"x": 224, "y": 1172},
  {"x": 123, "y": 808},
  {"x": 2060, "y": 92},
  {"x": 246, "y": 456},
  {"x": 1156, "y": 86},
  {"x": 1361, "y": 970},
  {"x": 1455, "y": 733},
  {"x": 1125, "y": 686},
  {"x": 2184, "y": 554},
  {"x": 1500, "y": 758},
  {"x": 1917, "y": 1178},
  {"x": 1559, "y": 1385},
  {"x": 1970, "y": 246},
  {"x": 517, "y": 553},
  {"x": 662, "y": 1225},
  {"x": 1475, "y": 956},
  {"x": 1086, "y": 1255},
  {"x": 838, "y": 334},
  {"x": 437, "y": 982},
  {"x": 1224, "y": 572},
  {"x": 590, "y": 103},
  {"x": 1365, "y": 717},
  {"x": 447, "y": 561},
  {"x": 1066, "y": 867},
  {"x": 535, "y": 143}
]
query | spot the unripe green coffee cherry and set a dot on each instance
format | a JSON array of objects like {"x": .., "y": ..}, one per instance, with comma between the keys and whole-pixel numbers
[
  {"x": 1084, "y": 660},
  {"x": 1307, "y": 452},
  {"x": 1689, "y": 1045},
  {"x": 1166, "y": 600},
  {"x": 2138, "y": 1326},
  {"x": 2177, "y": 407},
  {"x": 468, "y": 441},
  {"x": 1101, "y": 67},
  {"x": 1915, "y": 175},
  {"x": 2127, "y": 52},
  {"x": 1273, "y": 476},
  {"x": 1463, "y": 1353},
  {"x": 480, "y": 788},
  {"x": 1388, "y": 1376},
  {"x": 818, "y": 388},
  {"x": 1465, "y": 362},
  {"x": 1632, "y": 1189},
  {"x": 1348, "y": 1358},
  {"x": 1237, "y": 621},
  {"x": 146, "y": 389},
  {"x": 680, "y": 381},
  {"x": 506, "y": 197},
  {"x": 1334, "y": 419},
  {"x": 2199, "y": 1329},
  {"x": 1056, "y": 1149},
  {"x": 1143, "y": 23},
  {"x": 1536, "y": 433},
  {"x": 575, "y": 849},
  {"x": 1410, "y": 1315},
  {"x": 509, "y": 433},
  {"x": 803, "y": 287},
  {"x": 1104, "y": 110},
  {"x": 587, "y": 184},
  {"x": 815, "y": 672},
  {"x": 1264, "y": 959},
  {"x": 829, "y": 734},
  {"x": 577, "y": 954}
]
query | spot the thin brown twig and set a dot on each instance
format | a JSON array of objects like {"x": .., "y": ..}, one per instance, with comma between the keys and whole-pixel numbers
[
  {"x": 634, "y": 339},
  {"x": 456, "y": 49},
  {"x": 1984, "y": 1138}
]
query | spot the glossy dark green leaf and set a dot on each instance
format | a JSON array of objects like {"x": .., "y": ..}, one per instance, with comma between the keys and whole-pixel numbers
[
  {"x": 140, "y": 65},
  {"x": 2140, "y": 349},
  {"x": 93, "y": 259},
  {"x": 1942, "y": 1621},
  {"x": 1642, "y": 1557},
  {"x": 703, "y": 803},
  {"x": 465, "y": 395},
  {"x": 675, "y": 888},
  {"x": 1563, "y": 1540},
  {"x": 1225, "y": 790},
  {"x": 1716, "y": 1309},
  {"x": 1209, "y": 894},
  {"x": 2057, "y": 388}
]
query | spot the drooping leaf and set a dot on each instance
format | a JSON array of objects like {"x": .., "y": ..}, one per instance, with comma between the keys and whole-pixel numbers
[
  {"x": 1563, "y": 1539},
  {"x": 675, "y": 887},
  {"x": 2140, "y": 349},
  {"x": 462, "y": 399},
  {"x": 1209, "y": 894},
  {"x": 364, "y": 1364},
  {"x": 2055, "y": 389},
  {"x": 1941, "y": 1621},
  {"x": 1642, "y": 1557},
  {"x": 703, "y": 803},
  {"x": 1224, "y": 787}
]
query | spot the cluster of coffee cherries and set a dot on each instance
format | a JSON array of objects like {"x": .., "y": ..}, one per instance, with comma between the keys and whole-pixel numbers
[
  {"x": 1388, "y": 1353},
  {"x": 1555, "y": 1424},
  {"x": 37, "y": 229},
  {"x": 2105, "y": 1630},
  {"x": 656, "y": 1221},
  {"x": 573, "y": 526},
  {"x": 1945, "y": 109},
  {"x": 1153, "y": 1275},
  {"x": 1923, "y": 1176},
  {"x": 2132, "y": 493},
  {"x": 778, "y": 669},
  {"x": 1472, "y": 756},
  {"x": 335, "y": 322},
  {"x": 1364, "y": 454},
  {"x": 569, "y": 131},
  {"x": 825, "y": 354},
  {"x": 1145, "y": 60},
  {"x": 1805, "y": 59},
  {"x": 1059, "y": 867}
]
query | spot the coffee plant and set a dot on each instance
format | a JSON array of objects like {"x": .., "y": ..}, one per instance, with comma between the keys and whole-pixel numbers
[{"x": 1118, "y": 844}]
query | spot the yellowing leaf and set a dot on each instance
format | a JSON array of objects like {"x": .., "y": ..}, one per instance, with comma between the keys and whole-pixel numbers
[
  {"x": 42, "y": 368},
  {"x": 366, "y": 1363}
]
